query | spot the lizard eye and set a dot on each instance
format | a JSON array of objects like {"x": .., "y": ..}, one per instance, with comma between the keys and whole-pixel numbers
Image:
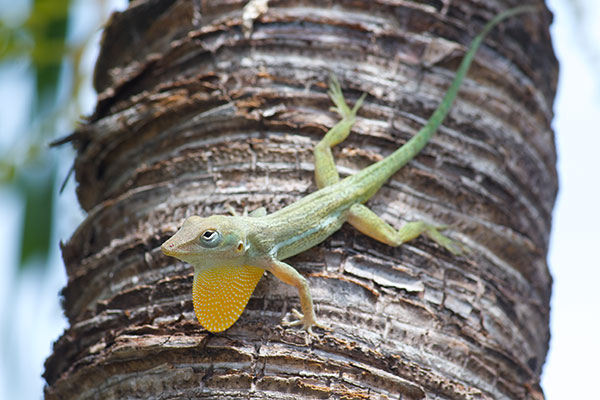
[
  {"x": 240, "y": 247},
  {"x": 210, "y": 238}
]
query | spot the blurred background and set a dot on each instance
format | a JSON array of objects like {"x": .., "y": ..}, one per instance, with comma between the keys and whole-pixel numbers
[{"x": 47, "y": 54}]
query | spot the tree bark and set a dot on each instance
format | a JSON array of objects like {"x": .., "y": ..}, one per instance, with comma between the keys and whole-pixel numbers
[{"x": 194, "y": 115}]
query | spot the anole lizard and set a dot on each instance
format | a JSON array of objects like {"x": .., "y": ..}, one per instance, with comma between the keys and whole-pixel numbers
[{"x": 231, "y": 253}]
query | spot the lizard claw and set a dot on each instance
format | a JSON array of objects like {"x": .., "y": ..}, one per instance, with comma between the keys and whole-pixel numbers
[
  {"x": 306, "y": 323},
  {"x": 337, "y": 97},
  {"x": 451, "y": 245}
]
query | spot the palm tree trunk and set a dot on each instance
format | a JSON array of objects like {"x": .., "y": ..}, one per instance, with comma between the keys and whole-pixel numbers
[{"x": 196, "y": 113}]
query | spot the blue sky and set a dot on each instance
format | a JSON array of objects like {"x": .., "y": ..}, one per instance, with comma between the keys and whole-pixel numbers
[
  {"x": 32, "y": 303},
  {"x": 572, "y": 366}
]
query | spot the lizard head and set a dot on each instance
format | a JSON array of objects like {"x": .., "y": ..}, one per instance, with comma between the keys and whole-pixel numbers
[
  {"x": 204, "y": 241},
  {"x": 216, "y": 247}
]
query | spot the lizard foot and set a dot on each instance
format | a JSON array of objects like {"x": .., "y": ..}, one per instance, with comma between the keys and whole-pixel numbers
[
  {"x": 337, "y": 97},
  {"x": 306, "y": 323},
  {"x": 453, "y": 246}
]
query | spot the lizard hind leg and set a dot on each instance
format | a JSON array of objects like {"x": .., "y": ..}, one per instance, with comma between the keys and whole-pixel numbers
[
  {"x": 220, "y": 294},
  {"x": 325, "y": 171},
  {"x": 369, "y": 223}
]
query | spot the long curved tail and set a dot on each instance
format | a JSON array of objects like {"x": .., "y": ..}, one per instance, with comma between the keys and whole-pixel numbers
[{"x": 411, "y": 148}]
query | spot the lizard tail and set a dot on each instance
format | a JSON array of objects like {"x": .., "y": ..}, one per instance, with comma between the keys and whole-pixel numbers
[{"x": 411, "y": 148}]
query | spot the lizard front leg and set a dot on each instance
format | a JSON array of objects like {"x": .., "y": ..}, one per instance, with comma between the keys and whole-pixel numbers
[{"x": 289, "y": 275}]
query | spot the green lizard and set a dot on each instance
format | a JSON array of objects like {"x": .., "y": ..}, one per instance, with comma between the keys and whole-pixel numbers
[{"x": 231, "y": 253}]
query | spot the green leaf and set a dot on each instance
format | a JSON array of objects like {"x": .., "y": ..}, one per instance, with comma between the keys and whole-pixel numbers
[
  {"x": 37, "y": 186},
  {"x": 14, "y": 42},
  {"x": 47, "y": 25}
]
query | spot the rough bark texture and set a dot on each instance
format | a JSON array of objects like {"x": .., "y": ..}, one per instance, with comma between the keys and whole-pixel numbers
[{"x": 193, "y": 116}]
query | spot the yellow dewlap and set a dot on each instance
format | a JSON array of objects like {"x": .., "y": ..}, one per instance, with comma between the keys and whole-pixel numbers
[{"x": 221, "y": 293}]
